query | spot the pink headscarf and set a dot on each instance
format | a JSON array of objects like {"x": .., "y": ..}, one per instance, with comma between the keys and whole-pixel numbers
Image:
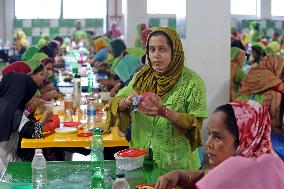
[
  {"x": 17, "y": 67},
  {"x": 265, "y": 172},
  {"x": 254, "y": 129}
]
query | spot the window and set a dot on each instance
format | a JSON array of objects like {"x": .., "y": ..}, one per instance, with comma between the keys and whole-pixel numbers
[
  {"x": 164, "y": 6},
  {"x": 244, "y": 7},
  {"x": 74, "y": 9},
  {"x": 44, "y": 9},
  {"x": 277, "y": 7}
]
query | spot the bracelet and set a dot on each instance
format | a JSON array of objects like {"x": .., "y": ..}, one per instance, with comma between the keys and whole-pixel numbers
[
  {"x": 189, "y": 175},
  {"x": 164, "y": 112}
]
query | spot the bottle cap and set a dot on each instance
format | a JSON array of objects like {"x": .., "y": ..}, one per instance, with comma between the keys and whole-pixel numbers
[
  {"x": 38, "y": 151},
  {"x": 120, "y": 175},
  {"x": 97, "y": 131},
  {"x": 77, "y": 76}
]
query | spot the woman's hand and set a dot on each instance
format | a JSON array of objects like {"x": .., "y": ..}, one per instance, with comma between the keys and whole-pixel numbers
[
  {"x": 47, "y": 88},
  {"x": 152, "y": 105},
  {"x": 52, "y": 95},
  {"x": 46, "y": 116},
  {"x": 126, "y": 102},
  {"x": 168, "y": 181}
]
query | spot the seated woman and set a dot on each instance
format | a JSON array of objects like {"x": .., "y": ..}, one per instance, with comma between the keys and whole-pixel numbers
[
  {"x": 16, "y": 89},
  {"x": 264, "y": 83},
  {"x": 19, "y": 46},
  {"x": 169, "y": 122},
  {"x": 123, "y": 65},
  {"x": 237, "y": 74},
  {"x": 239, "y": 172},
  {"x": 235, "y": 129}
]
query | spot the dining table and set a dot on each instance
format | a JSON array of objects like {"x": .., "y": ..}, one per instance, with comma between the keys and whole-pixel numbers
[
  {"x": 78, "y": 175},
  {"x": 53, "y": 139}
]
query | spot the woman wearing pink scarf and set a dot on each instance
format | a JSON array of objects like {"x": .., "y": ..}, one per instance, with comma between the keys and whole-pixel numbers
[{"x": 240, "y": 130}]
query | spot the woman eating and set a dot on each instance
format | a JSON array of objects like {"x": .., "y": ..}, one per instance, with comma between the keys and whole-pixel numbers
[
  {"x": 16, "y": 90},
  {"x": 168, "y": 124},
  {"x": 235, "y": 129}
]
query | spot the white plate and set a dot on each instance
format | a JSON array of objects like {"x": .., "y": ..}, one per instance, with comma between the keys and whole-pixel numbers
[{"x": 66, "y": 130}]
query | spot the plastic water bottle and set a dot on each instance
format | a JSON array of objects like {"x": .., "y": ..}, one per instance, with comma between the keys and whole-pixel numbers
[
  {"x": 68, "y": 107},
  {"x": 77, "y": 88},
  {"x": 91, "y": 112},
  {"x": 90, "y": 82},
  {"x": 120, "y": 182},
  {"x": 39, "y": 170},
  {"x": 97, "y": 157}
]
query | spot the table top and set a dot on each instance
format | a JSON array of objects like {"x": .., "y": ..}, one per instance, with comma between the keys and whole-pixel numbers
[
  {"x": 72, "y": 140},
  {"x": 78, "y": 174}
]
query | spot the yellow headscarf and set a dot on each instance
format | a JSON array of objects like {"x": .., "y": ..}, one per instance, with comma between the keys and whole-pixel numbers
[
  {"x": 148, "y": 80},
  {"x": 99, "y": 44},
  {"x": 21, "y": 40}
]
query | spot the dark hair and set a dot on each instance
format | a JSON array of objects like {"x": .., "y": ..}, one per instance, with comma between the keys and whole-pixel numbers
[
  {"x": 230, "y": 121},
  {"x": 258, "y": 50},
  {"x": 38, "y": 69},
  {"x": 48, "y": 51},
  {"x": 59, "y": 39},
  {"x": 47, "y": 61},
  {"x": 157, "y": 33}
]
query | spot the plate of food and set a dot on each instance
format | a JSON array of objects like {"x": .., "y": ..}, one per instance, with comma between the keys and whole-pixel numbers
[{"x": 66, "y": 130}]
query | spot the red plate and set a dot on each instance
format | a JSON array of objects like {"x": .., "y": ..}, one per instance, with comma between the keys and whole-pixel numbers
[
  {"x": 146, "y": 186},
  {"x": 86, "y": 134},
  {"x": 72, "y": 124},
  {"x": 142, "y": 186}
]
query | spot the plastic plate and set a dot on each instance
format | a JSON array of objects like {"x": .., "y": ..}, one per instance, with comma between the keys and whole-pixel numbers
[{"x": 66, "y": 130}]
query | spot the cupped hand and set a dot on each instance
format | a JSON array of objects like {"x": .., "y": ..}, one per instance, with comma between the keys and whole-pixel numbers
[{"x": 152, "y": 105}]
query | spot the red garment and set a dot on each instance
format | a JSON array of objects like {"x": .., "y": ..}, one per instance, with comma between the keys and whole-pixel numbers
[
  {"x": 254, "y": 128},
  {"x": 144, "y": 35},
  {"x": 17, "y": 67}
]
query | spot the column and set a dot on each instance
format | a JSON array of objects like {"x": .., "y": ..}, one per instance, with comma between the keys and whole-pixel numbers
[{"x": 136, "y": 13}]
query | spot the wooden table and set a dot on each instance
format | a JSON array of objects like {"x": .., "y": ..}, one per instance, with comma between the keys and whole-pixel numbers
[{"x": 72, "y": 140}]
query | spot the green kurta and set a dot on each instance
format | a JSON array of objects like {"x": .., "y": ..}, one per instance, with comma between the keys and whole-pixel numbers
[{"x": 171, "y": 148}]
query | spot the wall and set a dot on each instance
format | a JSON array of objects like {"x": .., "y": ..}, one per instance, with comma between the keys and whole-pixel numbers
[
  {"x": 268, "y": 27},
  {"x": 33, "y": 28},
  {"x": 136, "y": 13},
  {"x": 208, "y": 48},
  {"x": 2, "y": 19}
]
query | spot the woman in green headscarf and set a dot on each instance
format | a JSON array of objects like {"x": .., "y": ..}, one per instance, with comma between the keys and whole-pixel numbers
[
  {"x": 238, "y": 57},
  {"x": 47, "y": 91},
  {"x": 168, "y": 123}
]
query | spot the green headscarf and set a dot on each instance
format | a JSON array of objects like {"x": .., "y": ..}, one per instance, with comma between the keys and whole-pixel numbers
[
  {"x": 117, "y": 47},
  {"x": 234, "y": 52},
  {"x": 44, "y": 38},
  {"x": 35, "y": 61},
  {"x": 272, "y": 48},
  {"x": 148, "y": 80},
  {"x": 29, "y": 53}
]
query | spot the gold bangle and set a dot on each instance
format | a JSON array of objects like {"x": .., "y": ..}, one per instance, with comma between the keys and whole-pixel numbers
[{"x": 189, "y": 176}]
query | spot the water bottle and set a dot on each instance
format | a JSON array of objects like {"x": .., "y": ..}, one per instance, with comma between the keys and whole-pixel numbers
[
  {"x": 39, "y": 170},
  {"x": 74, "y": 67},
  {"x": 77, "y": 86},
  {"x": 68, "y": 107},
  {"x": 90, "y": 82},
  {"x": 91, "y": 112},
  {"x": 99, "y": 106},
  {"x": 83, "y": 112},
  {"x": 97, "y": 156},
  {"x": 120, "y": 182}
]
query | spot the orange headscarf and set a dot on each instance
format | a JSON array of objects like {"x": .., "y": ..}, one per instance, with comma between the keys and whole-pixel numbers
[{"x": 261, "y": 79}]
